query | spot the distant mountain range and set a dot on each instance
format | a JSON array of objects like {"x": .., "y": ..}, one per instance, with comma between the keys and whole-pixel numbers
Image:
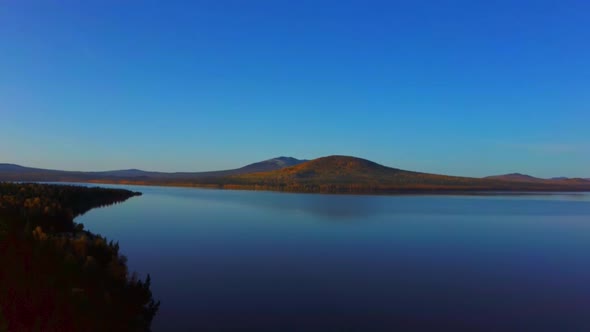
[
  {"x": 527, "y": 178},
  {"x": 350, "y": 174},
  {"x": 332, "y": 174},
  {"x": 514, "y": 177},
  {"x": 12, "y": 172}
]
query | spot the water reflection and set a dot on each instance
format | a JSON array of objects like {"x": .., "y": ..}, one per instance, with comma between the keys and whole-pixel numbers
[
  {"x": 360, "y": 206},
  {"x": 262, "y": 261}
]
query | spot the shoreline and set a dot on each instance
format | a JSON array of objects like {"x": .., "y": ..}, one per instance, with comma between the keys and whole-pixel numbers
[{"x": 387, "y": 192}]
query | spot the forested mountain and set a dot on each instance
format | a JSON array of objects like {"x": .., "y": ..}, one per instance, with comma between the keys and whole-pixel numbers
[
  {"x": 527, "y": 178},
  {"x": 350, "y": 174},
  {"x": 515, "y": 177},
  {"x": 11, "y": 172},
  {"x": 338, "y": 174}
]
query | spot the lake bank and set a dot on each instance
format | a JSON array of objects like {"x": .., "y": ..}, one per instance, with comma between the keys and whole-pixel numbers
[
  {"x": 55, "y": 275},
  {"x": 391, "y": 191}
]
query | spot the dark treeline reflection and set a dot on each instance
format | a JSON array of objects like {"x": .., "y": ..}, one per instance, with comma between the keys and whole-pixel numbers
[{"x": 54, "y": 276}]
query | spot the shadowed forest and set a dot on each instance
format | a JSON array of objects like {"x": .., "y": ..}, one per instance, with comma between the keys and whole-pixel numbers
[{"x": 56, "y": 276}]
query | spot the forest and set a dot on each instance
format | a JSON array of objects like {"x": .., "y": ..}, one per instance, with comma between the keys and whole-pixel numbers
[
  {"x": 55, "y": 275},
  {"x": 342, "y": 174},
  {"x": 331, "y": 174}
]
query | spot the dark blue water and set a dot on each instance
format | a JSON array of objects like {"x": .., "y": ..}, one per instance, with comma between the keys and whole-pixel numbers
[{"x": 262, "y": 261}]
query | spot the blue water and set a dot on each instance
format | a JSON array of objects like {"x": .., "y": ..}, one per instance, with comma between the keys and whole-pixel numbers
[{"x": 263, "y": 261}]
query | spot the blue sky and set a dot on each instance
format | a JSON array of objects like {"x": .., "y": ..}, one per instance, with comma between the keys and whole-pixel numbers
[{"x": 456, "y": 87}]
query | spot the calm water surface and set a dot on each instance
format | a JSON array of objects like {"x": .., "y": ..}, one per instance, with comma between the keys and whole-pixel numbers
[{"x": 262, "y": 261}]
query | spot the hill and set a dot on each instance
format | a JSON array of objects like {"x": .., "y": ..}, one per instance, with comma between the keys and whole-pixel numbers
[
  {"x": 12, "y": 172},
  {"x": 269, "y": 165},
  {"x": 515, "y": 177},
  {"x": 332, "y": 174},
  {"x": 11, "y": 167},
  {"x": 341, "y": 174}
]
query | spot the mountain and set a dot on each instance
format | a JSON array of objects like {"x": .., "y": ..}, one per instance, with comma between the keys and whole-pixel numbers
[
  {"x": 10, "y": 167},
  {"x": 15, "y": 170},
  {"x": 515, "y": 177},
  {"x": 345, "y": 174},
  {"x": 333, "y": 169},
  {"x": 332, "y": 174},
  {"x": 351, "y": 174},
  {"x": 12, "y": 172},
  {"x": 261, "y": 166},
  {"x": 270, "y": 165},
  {"x": 21, "y": 169}
]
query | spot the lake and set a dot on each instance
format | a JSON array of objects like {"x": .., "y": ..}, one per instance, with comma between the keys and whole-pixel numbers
[{"x": 264, "y": 261}]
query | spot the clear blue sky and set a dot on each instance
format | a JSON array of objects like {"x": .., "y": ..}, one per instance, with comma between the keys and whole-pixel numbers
[{"x": 457, "y": 87}]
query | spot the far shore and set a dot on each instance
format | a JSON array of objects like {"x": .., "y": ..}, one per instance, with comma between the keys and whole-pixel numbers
[{"x": 389, "y": 192}]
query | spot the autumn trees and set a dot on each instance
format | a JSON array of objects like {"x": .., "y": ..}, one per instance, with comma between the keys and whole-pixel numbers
[{"x": 71, "y": 280}]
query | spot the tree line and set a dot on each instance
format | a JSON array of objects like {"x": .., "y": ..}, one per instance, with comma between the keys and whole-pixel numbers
[{"x": 54, "y": 275}]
